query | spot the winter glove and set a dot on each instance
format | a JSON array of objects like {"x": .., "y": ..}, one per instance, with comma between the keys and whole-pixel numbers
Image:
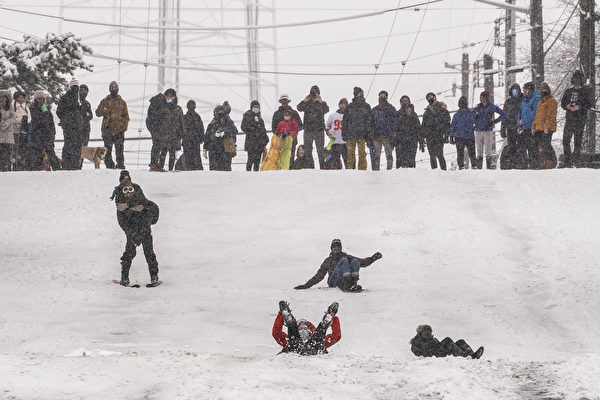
[
  {"x": 137, "y": 208},
  {"x": 422, "y": 148},
  {"x": 205, "y": 153},
  {"x": 121, "y": 206},
  {"x": 300, "y": 287},
  {"x": 445, "y": 138},
  {"x": 503, "y": 133},
  {"x": 452, "y": 141},
  {"x": 376, "y": 256}
]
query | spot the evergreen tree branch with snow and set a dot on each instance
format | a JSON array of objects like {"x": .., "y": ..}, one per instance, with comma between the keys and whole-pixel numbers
[{"x": 42, "y": 63}]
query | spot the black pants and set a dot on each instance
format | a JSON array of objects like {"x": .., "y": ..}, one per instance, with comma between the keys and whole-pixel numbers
[
  {"x": 528, "y": 145},
  {"x": 219, "y": 161},
  {"x": 406, "y": 153},
  {"x": 5, "y": 155},
  {"x": 36, "y": 159},
  {"x": 71, "y": 152},
  {"x": 85, "y": 135},
  {"x": 172, "y": 150},
  {"x": 254, "y": 158},
  {"x": 20, "y": 151},
  {"x": 545, "y": 150},
  {"x": 339, "y": 151},
  {"x": 460, "y": 348},
  {"x": 314, "y": 345},
  {"x": 319, "y": 139},
  {"x": 192, "y": 156},
  {"x": 118, "y": 141},
  {"x": 130, "y": 252},
  {"x": 436, "y": 153},
  {"x": 572, "y": 158},
  {"x": 461, "y": 144}
]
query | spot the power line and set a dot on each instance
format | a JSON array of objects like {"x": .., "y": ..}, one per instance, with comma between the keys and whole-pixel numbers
[
  {"x": 411, "y": 49},
  {"x": 216, "y": 28},
  {"x": 384, "y": 48},
  {"x": 236, "y": 71}
]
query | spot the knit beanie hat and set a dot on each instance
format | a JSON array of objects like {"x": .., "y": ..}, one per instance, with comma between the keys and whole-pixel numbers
[
  {"x": 357, "y": 91},
  {"x": 124, "y": 175},
  {"x": 74, "y": 82},
  {"x": 336, "y": 243}
]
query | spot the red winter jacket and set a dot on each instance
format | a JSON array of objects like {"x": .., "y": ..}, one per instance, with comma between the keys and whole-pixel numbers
[
  {"x": 290, "y": 126},
  {"x": 331, "y": 339}
]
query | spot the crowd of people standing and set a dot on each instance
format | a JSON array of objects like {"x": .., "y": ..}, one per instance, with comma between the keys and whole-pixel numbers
[{"x": 528, "y": 121}]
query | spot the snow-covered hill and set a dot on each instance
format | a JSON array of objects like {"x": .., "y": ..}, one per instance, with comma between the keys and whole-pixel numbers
[{"x": 504, "y": 259}]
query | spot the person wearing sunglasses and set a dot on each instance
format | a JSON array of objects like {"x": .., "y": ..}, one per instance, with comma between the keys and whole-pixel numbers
[
  {"x": 302, "y": 336},
  {"x": 135, "y": 214}
]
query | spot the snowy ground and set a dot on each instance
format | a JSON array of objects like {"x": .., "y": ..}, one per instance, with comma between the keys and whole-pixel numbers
[{"x": 504, "y": 259}]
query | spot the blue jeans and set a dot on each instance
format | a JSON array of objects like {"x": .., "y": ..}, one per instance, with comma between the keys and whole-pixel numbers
[{"x": 343, "y": 268}]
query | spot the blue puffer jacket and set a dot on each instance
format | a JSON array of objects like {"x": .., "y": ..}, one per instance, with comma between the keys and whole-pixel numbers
[
  {"x": 462, "y": 125},
  {"x": 484, "y": 117},
  {"x": 384, "y": 121},
  {"x": 528, "y": 109}
]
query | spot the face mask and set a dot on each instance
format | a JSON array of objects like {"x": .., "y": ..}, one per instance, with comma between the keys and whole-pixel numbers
[
  {"x": 44, "y": 108},
  {"x": 114, "y": 93},
  {"x": 169, "y": 101},
  {"x": 515, "y": 92},
  {"x": 431, "y": 100},
  {"x": 304, "y": 334},
  {"x": 256, "y": 110},
  {"x": 576, "y": 82},
  {"x": 544, "y": 93},
  {"x": 287, "y": 118},
  {"x": 382, "y": 100}
]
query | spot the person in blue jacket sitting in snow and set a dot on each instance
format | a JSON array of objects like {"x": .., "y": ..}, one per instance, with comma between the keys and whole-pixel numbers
[
  {"x": 462, "y": 132},
  {"x": 529, "y": 104}
]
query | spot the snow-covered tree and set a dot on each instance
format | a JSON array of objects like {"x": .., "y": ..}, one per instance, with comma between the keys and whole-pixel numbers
[{"x": 42, "y": 63}]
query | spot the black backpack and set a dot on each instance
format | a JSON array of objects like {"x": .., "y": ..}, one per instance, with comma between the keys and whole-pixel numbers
[{"x": 151, "y": 212}]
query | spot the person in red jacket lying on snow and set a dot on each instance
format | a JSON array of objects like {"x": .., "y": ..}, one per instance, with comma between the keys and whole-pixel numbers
[{"x": 302, "y": 337}]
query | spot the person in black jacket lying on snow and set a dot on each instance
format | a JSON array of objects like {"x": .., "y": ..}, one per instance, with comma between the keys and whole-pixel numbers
[{"x": 425, "y": 345}]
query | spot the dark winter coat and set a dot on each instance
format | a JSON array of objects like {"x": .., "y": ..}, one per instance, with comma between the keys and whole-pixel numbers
[
  {"x": 408, "y": 126},
  {"x": 580, "y": 97},
  {"x": 528, "y": 109},
  {"x": 42, "y": 133},
  {"x": 194, "y": 129},
  {"x": 314, "y": 115},
  {"x": 157, "y": 116},
  {"x": 384, "y": 121},
  {"x": 302, "y": 162},
  {"x": 278, "y": 117},
  {"x": 512, "y": 108},
  {"x": 462, "y": 125},
  {"x": 329, "y": 264},
  {"x": 135, "y": 224},
  {"x": 484, "y": 117},
  {"x": 358, "y": 120},
  {"x": 253, "y": 126},
  {"x": 165, "y": 121},
  {"x": 86, "y": 116},
  {"x": 216, "y": 134},
  {"x": 69, "y": 110},
  {"x": 115, "y": 116},
  {"x": 436, "y": 123}
]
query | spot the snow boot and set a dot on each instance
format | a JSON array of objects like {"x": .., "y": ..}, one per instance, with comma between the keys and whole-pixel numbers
[
  {"x": 347, "y": 282},
  {"x": 477, "y": 355},
  {"x": 124, "y": 279},
  {"x": 154, "y": 279},
  {"x": 489, "y": 164},
  {"x": 330, "y": 313},
  {"x": 479, "y": 163},
  {"x": 286, "y": 313}
]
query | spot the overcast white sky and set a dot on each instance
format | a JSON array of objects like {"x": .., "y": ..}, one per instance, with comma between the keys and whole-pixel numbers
[{"x": 342, "y": 47}]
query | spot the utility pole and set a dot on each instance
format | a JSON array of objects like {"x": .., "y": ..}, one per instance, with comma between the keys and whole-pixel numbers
[
  {"x": 587, "y": 55},
  {"x": 464, "y": 87},
  {"x": 537, "y": 42},
  {"x": 510, "y": 47},
  {"x": 488, "y": 83},
  {"x": 162, "y": 43}
]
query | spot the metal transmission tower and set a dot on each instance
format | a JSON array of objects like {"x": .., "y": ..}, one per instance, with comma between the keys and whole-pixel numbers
[
  {"x": 169, "y": 12},
  {"x": 252, "y": 41}
]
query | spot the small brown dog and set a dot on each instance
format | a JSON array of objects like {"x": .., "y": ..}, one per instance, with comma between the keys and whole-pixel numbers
[{"x": 93, "y": 154}]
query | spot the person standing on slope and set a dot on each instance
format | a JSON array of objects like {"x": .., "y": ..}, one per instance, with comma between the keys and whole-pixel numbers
[
  {"x": 302, "y": 337},
  {"x": 135, "y": 214},
  {"x": 342, "y": 269}
]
